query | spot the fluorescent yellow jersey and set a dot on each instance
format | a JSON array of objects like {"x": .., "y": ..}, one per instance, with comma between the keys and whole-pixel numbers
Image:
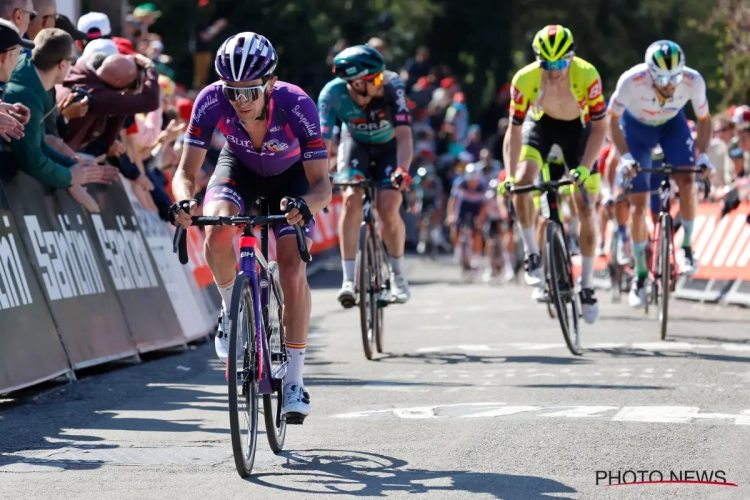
[{"x": 585, "y": 84}]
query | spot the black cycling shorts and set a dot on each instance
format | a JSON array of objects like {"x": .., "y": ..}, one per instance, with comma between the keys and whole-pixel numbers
[
  {"x": 371, "y": 161},
  {"x": 538, "y": 136},
  {"x": 235, "y": 183}
]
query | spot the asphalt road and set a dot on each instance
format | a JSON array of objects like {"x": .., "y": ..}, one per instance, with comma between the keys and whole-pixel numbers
[{"x": 477, "y": 397}]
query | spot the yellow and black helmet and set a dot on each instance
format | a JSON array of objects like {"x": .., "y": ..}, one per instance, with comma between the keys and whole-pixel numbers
[{"x": 553, "y": 42}]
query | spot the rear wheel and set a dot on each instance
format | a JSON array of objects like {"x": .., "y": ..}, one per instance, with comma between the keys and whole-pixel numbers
[
  {"x": 275, "y": 422},
  {"x": 242, "y": 377},
  {"x": 562, "y": 290},
  {"x": 368, "y": 292},
  {"x": 665, "y": 254}
]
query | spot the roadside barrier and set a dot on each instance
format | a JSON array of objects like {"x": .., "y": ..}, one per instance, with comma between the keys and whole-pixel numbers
[
  {"x": 80, "y": 289},
  {"x": 722, "y": 247}
]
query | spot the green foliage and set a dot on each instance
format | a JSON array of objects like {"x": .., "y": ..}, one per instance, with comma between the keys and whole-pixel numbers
[{"x": 483, "y": 41}]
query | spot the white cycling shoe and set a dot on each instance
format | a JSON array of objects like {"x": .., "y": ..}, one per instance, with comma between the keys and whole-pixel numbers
[
  {"x": 347, "y": 295},
  {"x": 221, "y": 341},
  {"x": 400, "y": 293},
  {"x": 296, "y": 403},
  {"x": 637, "y": 296}
]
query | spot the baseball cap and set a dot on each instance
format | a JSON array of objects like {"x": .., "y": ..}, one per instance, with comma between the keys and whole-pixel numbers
[
  {"x": 741, "y": 115},
  {"x": 64, "y": 23},
  {"x": 101, "y": 45},
  {"x": 9, "y": 37},
  {"x": 146, "y": 9},
  {"x": 124, "y": 45},
  {"x": 95, "y": 25},
  {"x": 184, "y": 108}
]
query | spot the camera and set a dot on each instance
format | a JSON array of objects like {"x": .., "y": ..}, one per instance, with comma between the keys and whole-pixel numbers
[{"x": 80, "y": 93}]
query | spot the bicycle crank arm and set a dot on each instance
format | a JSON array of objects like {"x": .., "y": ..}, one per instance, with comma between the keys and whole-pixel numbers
[{"x": 279, "y": 372}]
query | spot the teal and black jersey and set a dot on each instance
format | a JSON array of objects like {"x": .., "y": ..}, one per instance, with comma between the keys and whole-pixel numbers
[{"x": 374, "y": 124}]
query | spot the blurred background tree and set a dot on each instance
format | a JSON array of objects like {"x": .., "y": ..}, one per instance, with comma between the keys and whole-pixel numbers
[{"x": 483, "y": 41}]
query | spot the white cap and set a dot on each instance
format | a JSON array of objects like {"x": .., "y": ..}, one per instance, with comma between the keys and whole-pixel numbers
[
  {"x": 102, "y": 45},
  {"x": 94, "y": 21}
]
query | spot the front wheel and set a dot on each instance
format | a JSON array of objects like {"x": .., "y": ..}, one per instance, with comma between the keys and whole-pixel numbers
[
  {"x": 242, "y": 377},
  {"x": 275, "y": 421},
  {"x": 368, "y": 288},
  {"x": 666, "y": 269},
  {"x": 562, "y": 290}
]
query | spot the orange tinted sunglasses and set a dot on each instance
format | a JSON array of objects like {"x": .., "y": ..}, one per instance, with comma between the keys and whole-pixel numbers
[{"x": 376, "y": 79}]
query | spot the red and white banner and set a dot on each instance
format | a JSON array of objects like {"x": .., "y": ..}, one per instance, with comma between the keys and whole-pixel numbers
[{"x": 722, "y": 246}]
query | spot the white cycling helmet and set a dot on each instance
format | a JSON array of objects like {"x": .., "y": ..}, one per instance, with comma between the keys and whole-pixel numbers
[{"x": 666, "y": 62}]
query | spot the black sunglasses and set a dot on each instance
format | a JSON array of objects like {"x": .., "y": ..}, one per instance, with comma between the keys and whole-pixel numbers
[{"x": 32, "y": 14}]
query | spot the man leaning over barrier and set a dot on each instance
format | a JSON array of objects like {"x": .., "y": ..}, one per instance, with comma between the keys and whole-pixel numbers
[
  {"x": 29, "y": 85},
  {"x": 12, "y": 116}
]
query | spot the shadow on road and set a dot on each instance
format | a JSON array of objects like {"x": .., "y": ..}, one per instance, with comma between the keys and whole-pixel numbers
[
  {"x": 373, "y": 475},
  {"x": 598, "y": 386},
  {"x": 627, "y": 352},
  {"x": 46, "y": 429},
  {"x": 454, "y": 358}
]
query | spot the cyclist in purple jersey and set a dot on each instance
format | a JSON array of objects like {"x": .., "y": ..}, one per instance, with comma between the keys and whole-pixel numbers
[{"x": 274, "y": 149}]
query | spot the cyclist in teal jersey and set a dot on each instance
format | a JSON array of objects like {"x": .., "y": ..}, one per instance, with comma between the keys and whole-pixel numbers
[{"x": 376, "y": 142}]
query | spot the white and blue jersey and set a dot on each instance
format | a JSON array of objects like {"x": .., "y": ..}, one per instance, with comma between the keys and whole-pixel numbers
[{"x": 646, "y": 121}]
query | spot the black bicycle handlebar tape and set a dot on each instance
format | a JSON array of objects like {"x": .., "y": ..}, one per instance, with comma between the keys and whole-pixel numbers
[
  {"x": 209, "y": 220},
  {"x": 304, "y": 253}
]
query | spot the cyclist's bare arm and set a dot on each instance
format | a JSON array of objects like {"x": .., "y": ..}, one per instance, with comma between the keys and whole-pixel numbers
[
  {"x": 705, "y": 130},
  {"x": 514, "y": 140},
  {"x": 594, "y": 142},
  {"x": 610, "y": 166},
  {"x": 331, "y": 149},
  {"x": 404, "y": 146},
  {"x": 319, "y": 195},
  {"x": 615, "y": 133},
  {"x": 184, "y": 182}
]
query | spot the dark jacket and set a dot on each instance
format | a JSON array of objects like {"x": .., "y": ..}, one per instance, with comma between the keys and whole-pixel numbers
[
  {"x": 30, "y": 153},
  {"x": 108, "y": 109}
]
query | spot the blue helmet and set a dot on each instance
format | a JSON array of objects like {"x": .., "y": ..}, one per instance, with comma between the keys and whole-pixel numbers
[{"x": 245, "y": 56}]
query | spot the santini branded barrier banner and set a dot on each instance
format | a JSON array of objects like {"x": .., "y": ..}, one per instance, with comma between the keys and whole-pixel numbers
[
  {"x": 30, "y": 349},
  {"x": 79, "y": 289}
]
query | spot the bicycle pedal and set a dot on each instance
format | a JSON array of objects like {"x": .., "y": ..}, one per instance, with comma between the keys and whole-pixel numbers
[
  {"x": 294, "y": 418},
  {"x": 348, "y": 303}
]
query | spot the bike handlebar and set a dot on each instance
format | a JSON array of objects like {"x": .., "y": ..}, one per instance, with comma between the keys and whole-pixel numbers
[
  {"x": 179, "y": 243},
  {"x": 542, "y": 186}
]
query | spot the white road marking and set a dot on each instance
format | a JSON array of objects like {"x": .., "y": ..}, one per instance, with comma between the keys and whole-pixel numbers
[
  {"x": 632, "y": 414},
  {"x": 641, "y": 346}
]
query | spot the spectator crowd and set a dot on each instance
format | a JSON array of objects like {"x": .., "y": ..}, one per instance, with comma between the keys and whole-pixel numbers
[{"x": 79, "y": 106}]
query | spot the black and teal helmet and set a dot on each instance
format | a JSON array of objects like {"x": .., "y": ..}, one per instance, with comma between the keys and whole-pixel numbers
[{"x": 358, "y": 62}]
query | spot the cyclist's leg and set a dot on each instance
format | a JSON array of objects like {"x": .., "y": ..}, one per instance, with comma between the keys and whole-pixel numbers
[
  {"x": 679, "y": 150},
  {"x": 641, "y": 140},
  {"x": 394, "y": 230},
  {"x": 535, "y": 148},
  {"x": 353, "y": 161},
  {"x": 226, "y": 194},
  {"x": 293, "y": 277}
]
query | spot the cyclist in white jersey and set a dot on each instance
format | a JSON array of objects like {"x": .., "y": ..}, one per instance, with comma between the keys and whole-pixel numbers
[{"x": 646, "y": 110}]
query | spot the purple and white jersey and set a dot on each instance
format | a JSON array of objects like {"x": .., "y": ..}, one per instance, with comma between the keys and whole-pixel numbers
[{"x": 293, "y": 129}]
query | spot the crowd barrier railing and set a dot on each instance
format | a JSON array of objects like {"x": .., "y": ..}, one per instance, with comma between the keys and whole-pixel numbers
[
  {"x": 722, "y": 247},
  {"x": 80, "y": 289}
]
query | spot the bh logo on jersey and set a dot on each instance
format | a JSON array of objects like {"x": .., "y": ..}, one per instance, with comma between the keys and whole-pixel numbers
[{"x": 276, "y": 146}]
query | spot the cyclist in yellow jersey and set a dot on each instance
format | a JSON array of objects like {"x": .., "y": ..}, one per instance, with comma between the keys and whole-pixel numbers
[{"x": 557, "y": 100}]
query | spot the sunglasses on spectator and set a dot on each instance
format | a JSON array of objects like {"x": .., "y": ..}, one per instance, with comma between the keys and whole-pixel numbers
[
  {"x": 31, "y": 13},
  {"x": 249, "y": 93},
  {"x": 376, "y": 79},
  {"x": 558, "y": 65}
]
